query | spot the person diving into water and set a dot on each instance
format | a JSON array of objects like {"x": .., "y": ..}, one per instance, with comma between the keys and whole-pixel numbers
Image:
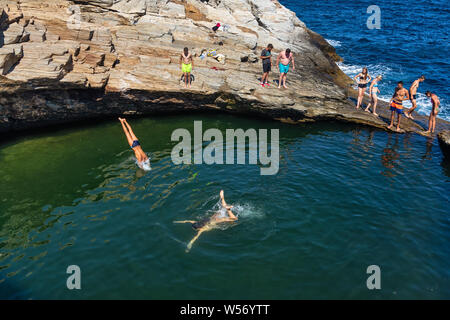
[
  {"x": 209, "y": 223},
  {"x": 143, "y": 160}
]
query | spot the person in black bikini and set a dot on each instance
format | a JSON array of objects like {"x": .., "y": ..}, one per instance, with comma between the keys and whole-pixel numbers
[
  {"x": 364, "y": 79},
  {"x": 142, "y": 159},
  {"x": 209, "y": 223}
]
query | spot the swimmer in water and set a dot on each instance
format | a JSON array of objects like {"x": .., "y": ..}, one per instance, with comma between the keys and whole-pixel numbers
[
  {"x": 209, "y": 223},
  {"x": 142, "y": 158}
]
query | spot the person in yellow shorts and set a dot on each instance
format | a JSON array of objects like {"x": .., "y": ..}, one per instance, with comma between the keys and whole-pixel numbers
[{"x": 186, "y": 66}]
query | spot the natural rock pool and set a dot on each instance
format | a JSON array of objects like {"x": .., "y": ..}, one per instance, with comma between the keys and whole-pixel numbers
[{"x": 345, "y": 198}]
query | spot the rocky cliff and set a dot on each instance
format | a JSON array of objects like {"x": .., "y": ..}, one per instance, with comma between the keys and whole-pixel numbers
[{"x": 66, "y": 60}]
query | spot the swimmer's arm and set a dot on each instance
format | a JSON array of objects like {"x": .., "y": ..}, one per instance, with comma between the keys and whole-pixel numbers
[
  {"x": 189, "y": 246},
  {"x": 185, "y": 221}
]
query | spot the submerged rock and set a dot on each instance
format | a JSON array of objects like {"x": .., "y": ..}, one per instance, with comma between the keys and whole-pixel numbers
[{"x": 98, "y": 58}]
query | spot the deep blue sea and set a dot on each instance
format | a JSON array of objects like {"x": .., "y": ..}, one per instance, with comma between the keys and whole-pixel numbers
[{"x": 413, "y": 40}]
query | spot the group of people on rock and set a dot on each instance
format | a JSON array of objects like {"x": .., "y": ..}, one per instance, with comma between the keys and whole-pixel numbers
[
  {"x": 283, "y": 62},
  {"x": 396, "y": 103},
  {"x": 363, "y": 79}
]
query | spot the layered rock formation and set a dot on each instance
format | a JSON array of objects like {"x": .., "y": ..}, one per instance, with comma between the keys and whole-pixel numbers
[
  {"x": 66, "y": 60},
  {"x": 444, "y": 142}
]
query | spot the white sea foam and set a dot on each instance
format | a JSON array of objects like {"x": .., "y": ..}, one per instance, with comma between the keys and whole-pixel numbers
[
  {"x": 247, "y": 211},
  {"x": 144, "y": 165},
  {"x": 334, "y": 43},
  {"x": 374, "y": 69}
]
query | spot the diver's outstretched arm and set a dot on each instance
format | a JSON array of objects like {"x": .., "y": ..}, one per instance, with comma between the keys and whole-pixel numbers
[
  {"x": 185, "y": 221},
  {"x": 189, "y": 246}
]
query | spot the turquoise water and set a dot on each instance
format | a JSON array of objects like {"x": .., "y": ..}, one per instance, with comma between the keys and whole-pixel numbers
[{"x": 345, "y": 197}]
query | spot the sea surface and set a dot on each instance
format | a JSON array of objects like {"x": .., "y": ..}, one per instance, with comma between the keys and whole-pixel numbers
[
  {"x": 345, "y": 198},
  {"x": 413, "y": 40}
]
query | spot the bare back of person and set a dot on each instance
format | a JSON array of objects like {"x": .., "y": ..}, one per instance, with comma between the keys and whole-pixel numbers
[
  {"x": 413, "y": 89},
  {"x": 186, "y": 59},
  {"x": 435, "y": 102}
]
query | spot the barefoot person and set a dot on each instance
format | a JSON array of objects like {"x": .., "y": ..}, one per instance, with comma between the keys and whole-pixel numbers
[
  {"x": 396, "y": 105},
  {"x": 373, "y": 92},
  {"x": 434, "y": 111},
  {"x": 209, "y": 223},
  {"x": 413, "y": 96},
  {"x": 142, "y": 159},
  {"x": 187, "y": 62},
  {"x": 266, "y": 57},
  {"x": 362, "y": 79},
  {"x": 283, "y": 61}
]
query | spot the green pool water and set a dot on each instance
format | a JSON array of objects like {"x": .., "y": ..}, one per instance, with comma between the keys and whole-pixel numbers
[{"x": 344, "y": 198}]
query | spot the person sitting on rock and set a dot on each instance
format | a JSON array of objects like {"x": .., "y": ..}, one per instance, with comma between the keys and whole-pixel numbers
[
  {"x": 142, "y": 159},
  {"x": 187, "y": 62},
  {"x": 283, "y": 61},
  {"x": 209, "y": 223}
]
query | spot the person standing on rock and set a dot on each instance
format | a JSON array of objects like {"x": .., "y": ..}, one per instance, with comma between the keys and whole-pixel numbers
[
  {"x": 266, "y": 57},
  {"x": 362, "y": 79},
  {"x": 283, "y": 61},
  {"x": 142, "y": 159},
  {"x": 373, "y": 92},
  {"x": 413, "y": 96},
  {"x": 434, "y": 111},
  {"x": 396, "y": 105},
  {"x": 187, "y": 62}
]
